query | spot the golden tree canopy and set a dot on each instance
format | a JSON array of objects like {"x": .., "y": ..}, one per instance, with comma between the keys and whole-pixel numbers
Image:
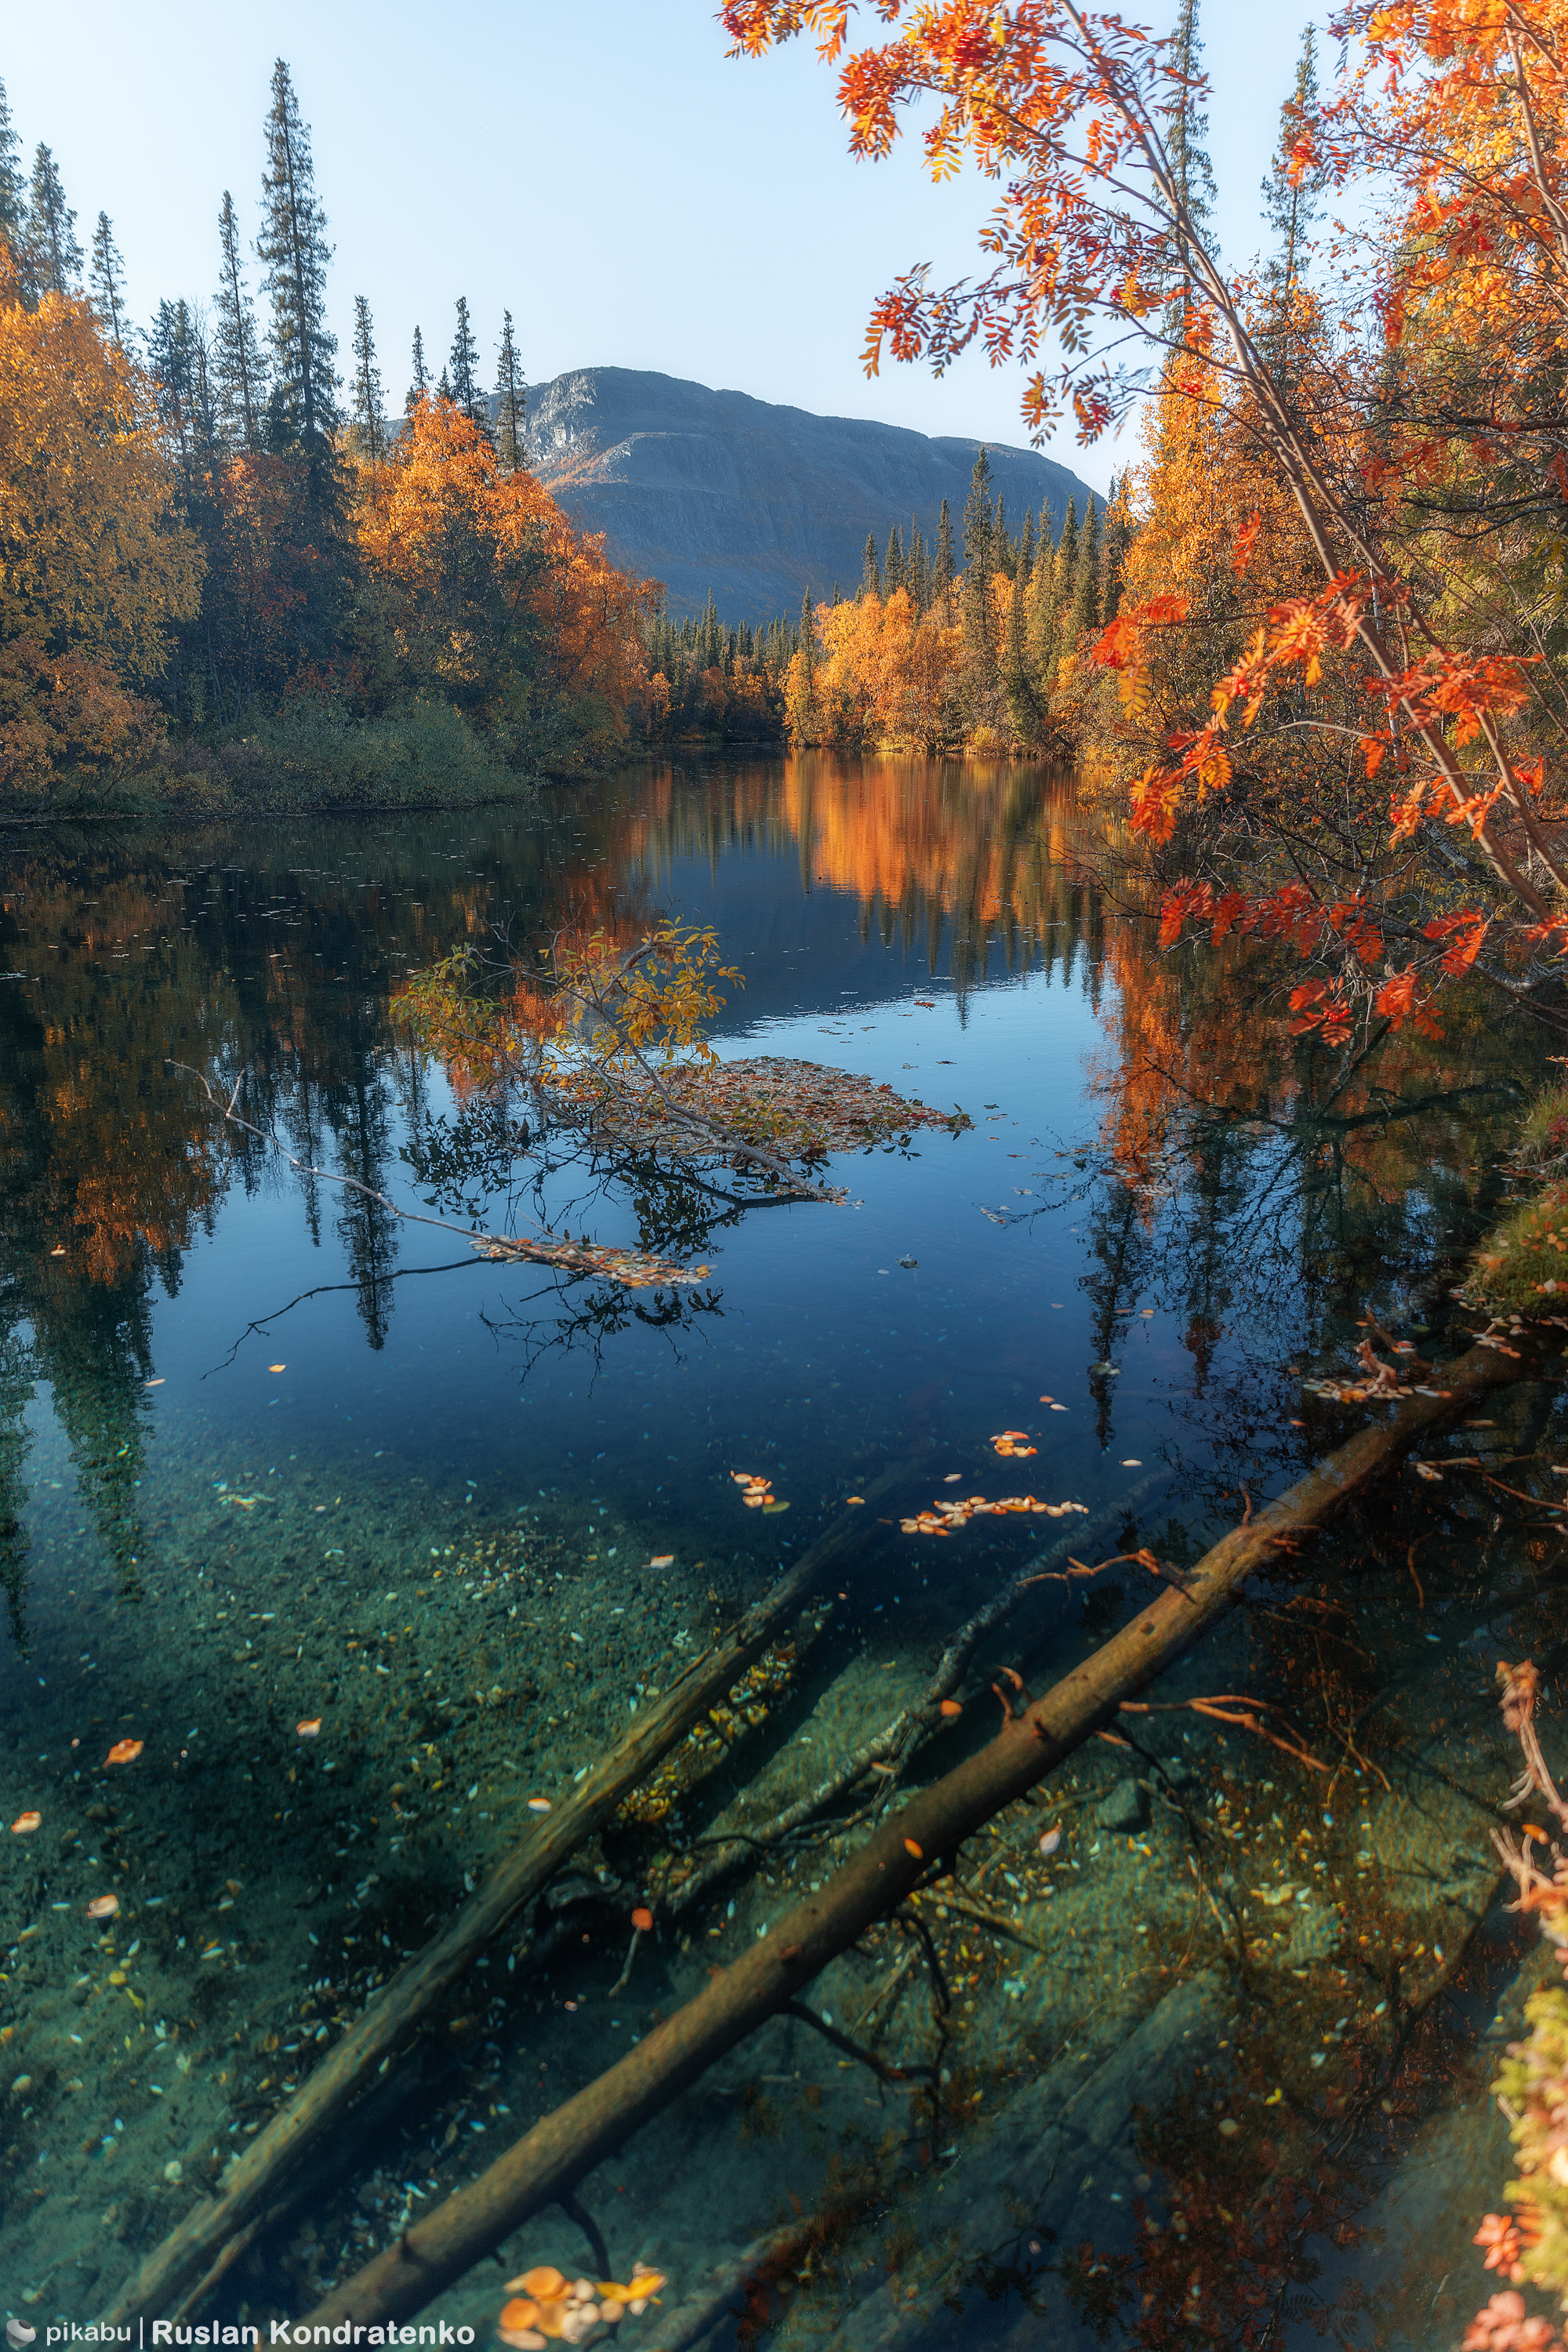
[{"x": 93, "y": 558}]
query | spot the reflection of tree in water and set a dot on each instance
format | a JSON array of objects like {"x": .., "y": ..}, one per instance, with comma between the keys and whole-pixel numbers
[{"x": 16, "y": 1379}]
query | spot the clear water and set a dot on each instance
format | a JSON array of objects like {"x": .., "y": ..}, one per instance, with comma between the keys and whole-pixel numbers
[{"x": 272, "y": 1456}]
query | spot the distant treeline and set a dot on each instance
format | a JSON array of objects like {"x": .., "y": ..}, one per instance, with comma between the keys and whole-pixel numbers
[{"x": 927, "y": 653}]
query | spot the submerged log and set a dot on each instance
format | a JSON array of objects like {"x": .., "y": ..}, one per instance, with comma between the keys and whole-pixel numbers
[
  {"x": 549, "y": 2161},
  {"x": 251, "y": 2185}
]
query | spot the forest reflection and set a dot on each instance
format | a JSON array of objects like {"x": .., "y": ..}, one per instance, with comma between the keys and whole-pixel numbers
[{"x": 1232, "y": 1169}]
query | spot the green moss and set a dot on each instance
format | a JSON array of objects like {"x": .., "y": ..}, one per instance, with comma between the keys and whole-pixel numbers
[
  {"x": 1522, "y": 1267},
  {"x": 1532, "y": 2084}
]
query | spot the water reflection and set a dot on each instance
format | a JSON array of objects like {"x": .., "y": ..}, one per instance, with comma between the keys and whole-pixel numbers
[{"x": 467, "y": 1515}]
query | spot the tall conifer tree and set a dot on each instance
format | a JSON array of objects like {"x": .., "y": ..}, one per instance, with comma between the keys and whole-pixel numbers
[
  {"x": 941, "y": 569},
  {"x": 1065, "y": 566},
  {"x": 370, "y": 399},
  {"x": 465, "y": 370},
  {"x": 13, "y": 187},
  {"x": 1083, "y": 613},
  {"x": 870, "y": 577},
  {"x": 1292, "y": 194},
  {"x": 105, "y": 277},
  {"x": 239, "y": 375},
  {"x": 53, "y": 248},
  {"x": 979, "y": 562},
  {"x": 294, "y": 246},
  {"x": 1026, "y": 549},
  {"x": 419, "y": 386},
  {"x": 511, "y": 403},
  {"x": 893, "y": 562},
  {"x": 1186, "y": 127}
]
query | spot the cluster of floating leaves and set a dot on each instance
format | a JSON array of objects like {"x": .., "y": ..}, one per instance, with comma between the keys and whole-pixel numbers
[
  {"x": 547, "y": 2306},
  {"x": 757, "y": 1493},
  {"x": 1010, "y": 1443},
  {"x": 947, "y": 1515},
  {"x": 712, "y": 1737}
]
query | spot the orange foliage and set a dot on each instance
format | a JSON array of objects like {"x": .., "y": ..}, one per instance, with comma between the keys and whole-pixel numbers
[
  {"x": 91, "y": 558},
  {"x": 482, "y": 568}
]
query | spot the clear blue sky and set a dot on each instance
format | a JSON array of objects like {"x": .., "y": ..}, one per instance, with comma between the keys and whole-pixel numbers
[{"x": 634, "y": 197}]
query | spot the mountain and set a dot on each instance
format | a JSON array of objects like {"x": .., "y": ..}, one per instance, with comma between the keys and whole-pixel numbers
[{"x": 715, "y": 491}]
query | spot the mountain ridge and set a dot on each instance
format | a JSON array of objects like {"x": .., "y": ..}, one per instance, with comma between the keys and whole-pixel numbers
[{"x": 717, "y": 490}]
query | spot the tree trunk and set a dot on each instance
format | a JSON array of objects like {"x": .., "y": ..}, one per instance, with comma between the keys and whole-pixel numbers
[
  {"x": 547, "y": 2163},
  {"x": 253, "y": 2182}
]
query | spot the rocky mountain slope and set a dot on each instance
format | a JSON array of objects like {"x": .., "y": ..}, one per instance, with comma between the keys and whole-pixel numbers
[{"x": 715, "y": 491}]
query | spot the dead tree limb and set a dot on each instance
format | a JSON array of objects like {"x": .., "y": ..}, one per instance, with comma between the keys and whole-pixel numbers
[
  {"x": 250, "y": 2186},
  {"x": 549, "y": 2160},
  {"x": 896, "y": 1738}
]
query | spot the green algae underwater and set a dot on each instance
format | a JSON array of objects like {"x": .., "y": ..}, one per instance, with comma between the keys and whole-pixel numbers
[{"x": 365, "y": 1545}]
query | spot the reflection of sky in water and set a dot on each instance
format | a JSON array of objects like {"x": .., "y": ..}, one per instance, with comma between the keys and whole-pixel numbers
[
  {"x": 1160, "y": 1319},
  {"x": 814, "y": 1342}
]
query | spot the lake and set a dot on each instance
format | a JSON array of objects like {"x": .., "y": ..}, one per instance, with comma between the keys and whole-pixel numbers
[{"x": 1214, "y": 2069}]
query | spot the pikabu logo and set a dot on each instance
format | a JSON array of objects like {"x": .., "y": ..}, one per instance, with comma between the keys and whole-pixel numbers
[{"x": 19, "y": 2334}]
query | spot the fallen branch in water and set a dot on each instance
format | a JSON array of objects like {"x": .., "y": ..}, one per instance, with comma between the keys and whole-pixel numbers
[
  {"x": 1033, "y": 1740},
  {"x": 195, "y": 2250},
  {"x": 634, "y": 1269},
  {"x": 895, "y": 1740}
]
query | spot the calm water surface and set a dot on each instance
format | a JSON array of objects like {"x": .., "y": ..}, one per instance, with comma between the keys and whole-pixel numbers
[{"x": 272, "y": 1456}]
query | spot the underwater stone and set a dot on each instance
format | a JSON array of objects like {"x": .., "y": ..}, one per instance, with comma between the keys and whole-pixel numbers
[{"x": 1123, "y": 1808}]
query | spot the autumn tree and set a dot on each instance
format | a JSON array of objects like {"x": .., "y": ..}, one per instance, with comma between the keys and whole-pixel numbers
[
  {"x": 95, "y": 569},
  {"x": 1064, "y": 110},
  {"x": 294, "y": 251},
  {"x": 239, "y": 373}
]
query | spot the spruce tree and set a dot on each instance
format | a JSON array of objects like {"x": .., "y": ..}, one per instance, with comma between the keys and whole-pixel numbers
[
  {"x": 105, "y": 278},
  {"x": 1004, "y": 550},
  {"x": 293, "y": 246},
  {"x": 1113, "y": 551},
  {"x": 978, "y": 522},
  {"x": 370, "y": 400},
  {"x": 917, "y": 578},
  {"x": 1065, "y": 566},
  {"x": 942, "y": 564},
  {"x": 1291, "y": 199},
  {"x": 870, "y": 575},
  {"x": 444, "y": 386},
  {"x": 1186, "y": 127},
  {"x": 1022, "y": 715},
  {"x": 173, "y": 366},
  {"x": 893, "y": 563},
  {"x": 13, "y": 188},
  {"x": 1083, "y": 613},
  {"x": 1040, "y": 616},
  {"x": 465, "y": 370},
  {"x": 979, "y": 559},
  {"x": 239, "y": 375},
  {"x": 1026, "y": 549},
  {"x": 53, "y": 263},
  {"x": 419, "y": 387},
  {"x": 511, "y": 403}
]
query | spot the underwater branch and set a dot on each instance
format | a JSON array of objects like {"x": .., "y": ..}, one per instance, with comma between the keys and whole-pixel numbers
[{"x": 1034, "y": 1737}]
